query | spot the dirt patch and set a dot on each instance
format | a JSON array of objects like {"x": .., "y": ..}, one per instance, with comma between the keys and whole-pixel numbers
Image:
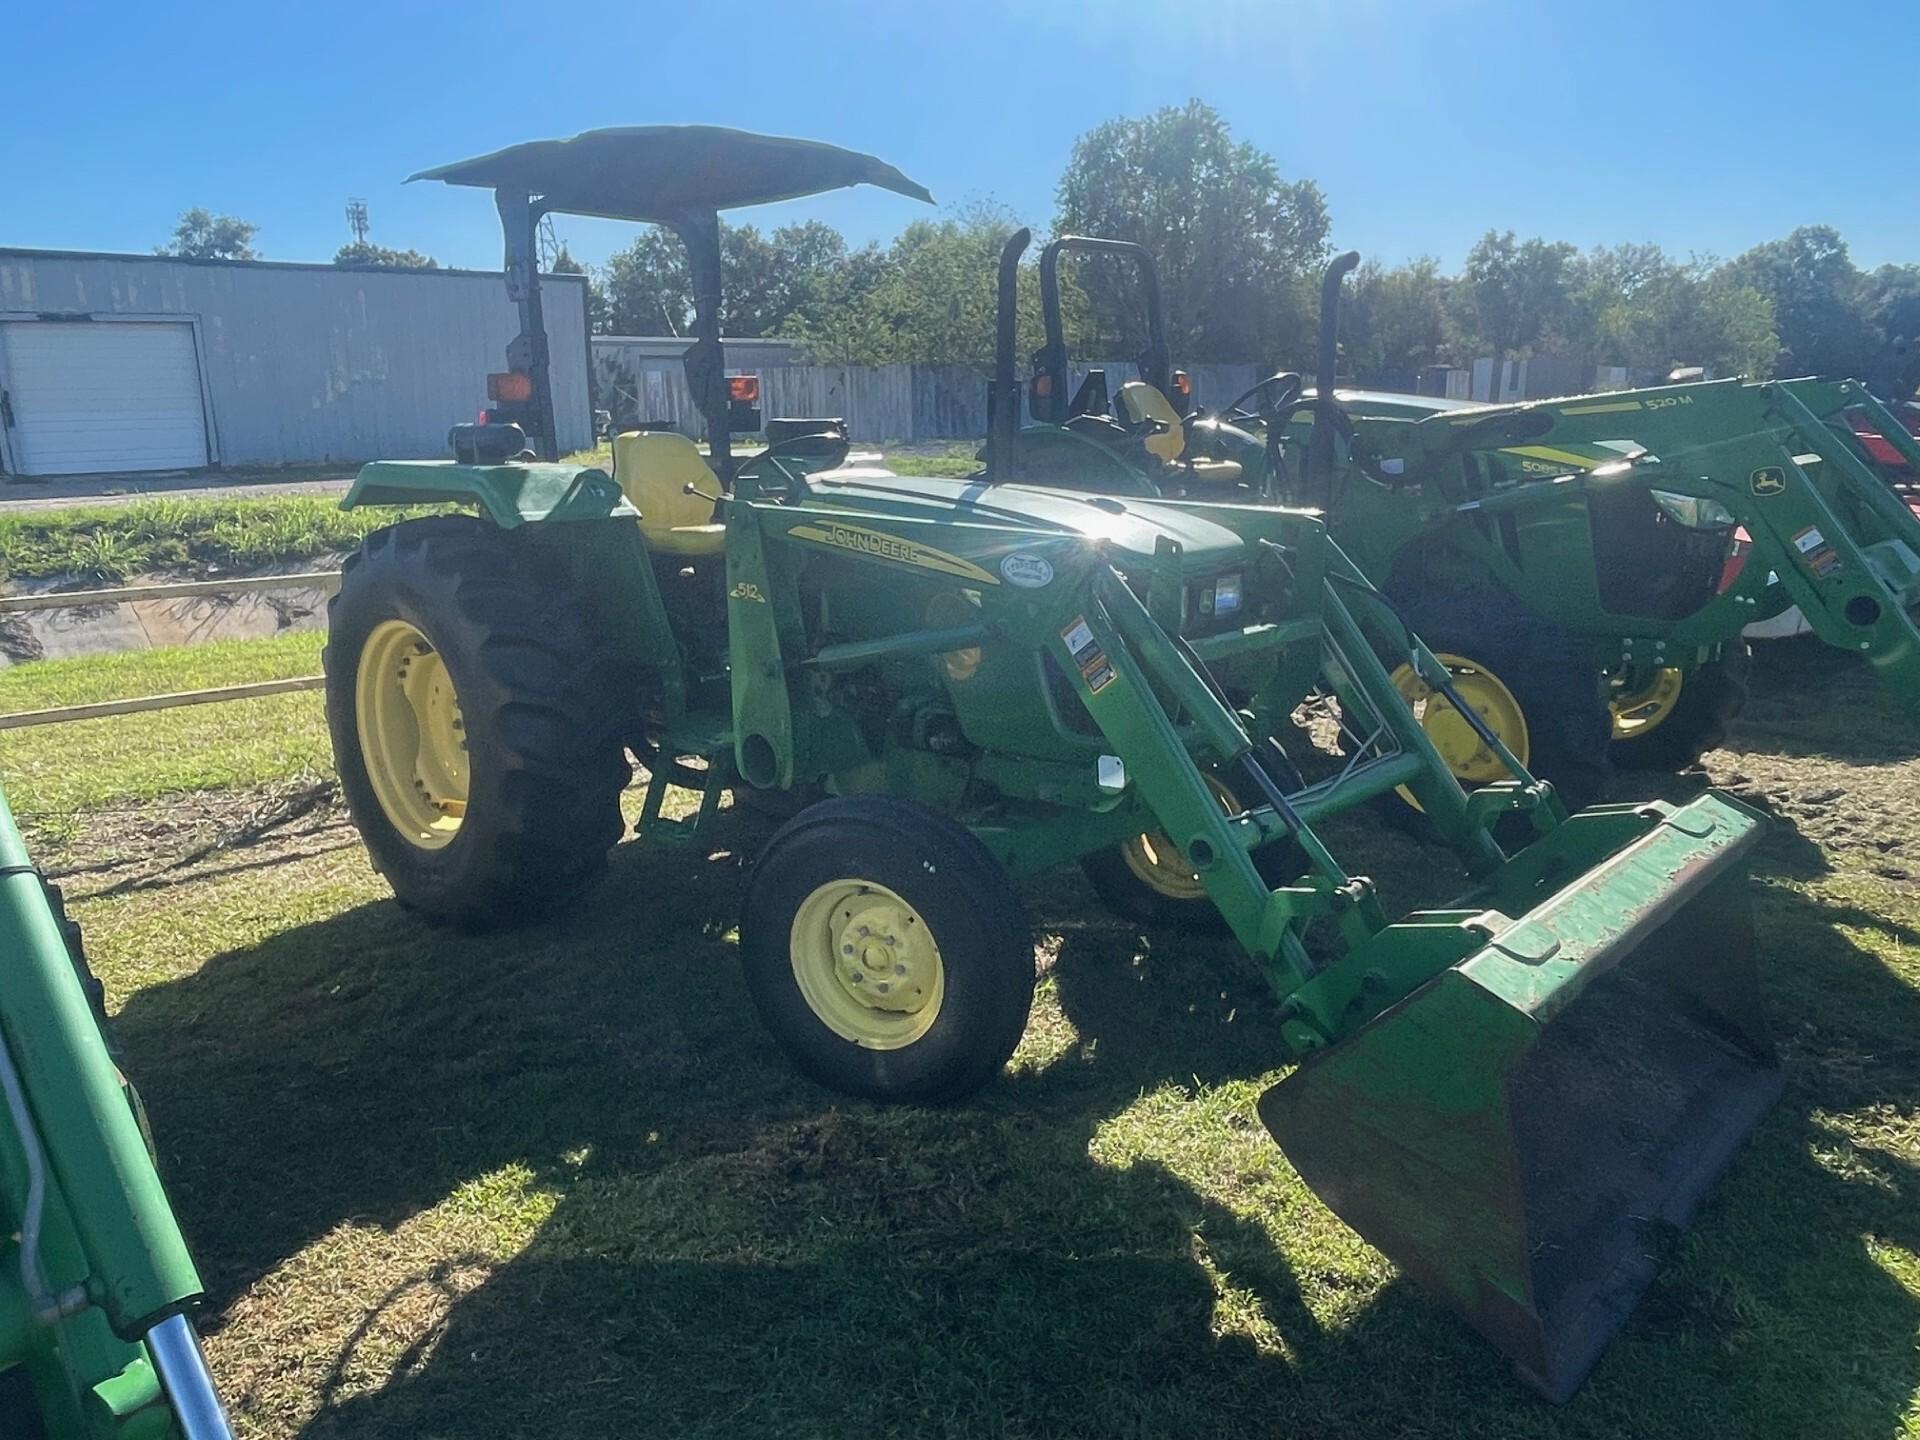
[{"x": 196, "y": 836}]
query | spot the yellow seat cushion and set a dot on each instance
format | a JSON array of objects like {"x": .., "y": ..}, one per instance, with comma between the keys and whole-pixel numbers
[
  {"x": 654, "y": 468},
  {"x": 1139, "y": 402}
]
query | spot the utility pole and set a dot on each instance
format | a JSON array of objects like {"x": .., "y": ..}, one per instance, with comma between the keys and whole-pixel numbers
[{"x": 357, "y": 220}]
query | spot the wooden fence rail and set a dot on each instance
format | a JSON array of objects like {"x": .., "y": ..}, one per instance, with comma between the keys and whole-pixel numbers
[{"x": 325, "y": 580}]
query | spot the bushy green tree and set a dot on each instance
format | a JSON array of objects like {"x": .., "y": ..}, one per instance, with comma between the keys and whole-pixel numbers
[
  {"x": 1513, "y": 293},
  {"x": 202, "y": 235},
  {"x": 1818, "y": 301},
  {"x": 1634, "y": 305},
  {"x": 365, "y": 255},
  {"x": 1237, "y": 245},
  {"x": 1893, "y": 308},
  {"x": 1394, "y": 321},
  {"x": 769, "y": 282},
  {"x": 933, "y": 296}
]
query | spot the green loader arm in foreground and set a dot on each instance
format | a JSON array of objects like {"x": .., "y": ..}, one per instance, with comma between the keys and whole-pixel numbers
[
  {"x": 1588, "y": 1013},
  {"x": 1499, "y": 1093},
  {"x": 96, "y": 1283}
]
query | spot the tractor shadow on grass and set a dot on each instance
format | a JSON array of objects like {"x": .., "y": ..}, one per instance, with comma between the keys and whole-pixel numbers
[{"x": 732, "y": 1251}]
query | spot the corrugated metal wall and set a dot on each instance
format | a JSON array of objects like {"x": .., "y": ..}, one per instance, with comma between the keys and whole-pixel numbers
[
  {"x": 309, "y": 364},
  {"x": 878, "y": 402}
]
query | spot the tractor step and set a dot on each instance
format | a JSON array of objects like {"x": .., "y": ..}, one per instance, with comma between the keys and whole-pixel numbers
[{"x": 670, "y": 771}]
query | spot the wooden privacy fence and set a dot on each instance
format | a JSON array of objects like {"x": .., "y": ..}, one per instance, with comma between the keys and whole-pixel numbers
[
  {"x": 878, "y": 402},
  {"x": 324, "y": 580}
]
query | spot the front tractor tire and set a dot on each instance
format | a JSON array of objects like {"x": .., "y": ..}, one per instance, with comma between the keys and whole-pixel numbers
[
  {"x": 887, "y": 952},
  {"x": 1149, "y": 881},
  {"x": 1531, "y": 682},
  {"x": 1679, "y": 715},
  {"x": 476, "y": 723}
]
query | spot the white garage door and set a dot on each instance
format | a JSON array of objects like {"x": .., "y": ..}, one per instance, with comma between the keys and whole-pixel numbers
[{"x": 94, "y": 395}]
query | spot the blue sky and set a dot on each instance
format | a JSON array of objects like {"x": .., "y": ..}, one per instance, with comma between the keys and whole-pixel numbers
[{"x": 1704, "y": 126}]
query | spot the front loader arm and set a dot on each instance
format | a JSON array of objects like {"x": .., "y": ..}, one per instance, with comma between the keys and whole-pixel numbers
[{"x": 1844, "y": 547}]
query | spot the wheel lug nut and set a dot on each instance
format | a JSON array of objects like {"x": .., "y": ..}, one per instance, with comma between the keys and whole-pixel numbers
[
  {"x": 858, "y": 978},
  {"x": 846, "y": 949},
  {"x": 881, "y": 987},
  {"x": 899, "y": 969}
]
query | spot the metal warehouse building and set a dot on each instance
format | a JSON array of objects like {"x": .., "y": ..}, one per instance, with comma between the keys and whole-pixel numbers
[{"x": 128, "y": 362}]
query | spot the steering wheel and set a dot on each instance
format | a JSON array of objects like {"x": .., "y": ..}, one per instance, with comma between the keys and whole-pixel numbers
[{"x": 1277, "y": 396}]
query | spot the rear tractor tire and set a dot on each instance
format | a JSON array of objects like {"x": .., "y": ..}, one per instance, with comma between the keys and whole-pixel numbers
[
  {"x": 476, "y": 722},
  {"x": 887, "y": 951},
  {"x": 1682, "y": 714}
]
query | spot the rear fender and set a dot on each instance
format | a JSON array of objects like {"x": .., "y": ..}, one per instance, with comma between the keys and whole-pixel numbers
[{"x": 508, "y": 495}]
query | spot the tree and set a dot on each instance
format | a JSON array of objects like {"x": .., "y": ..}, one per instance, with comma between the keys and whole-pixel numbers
[
  {"x": 1818, "y": 299},
  {"x": 1730, "y": 328},
  {"x": 201, "y": 235},
  {"x": 767, "y": 281},
  {"x": 365, "y": 255},
  {"x": 1633, "y": 305},
  {"x": 1394, "y": 321},
  {"x": 1513, "y": 293},
  {"x": 1237, "y": 246},
  {"x": 648, "y": 289},
  {"x": 933, "y": 297},
  {"x": 1892, "y": 295},
  {"x": 599, "y": 309}
]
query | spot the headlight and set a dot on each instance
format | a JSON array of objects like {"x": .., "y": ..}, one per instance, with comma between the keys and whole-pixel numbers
[
  {"x": 1226, "y": 595},
  {"x": 1209, "y": 605},
  {"x": 1692, "y": 511}
]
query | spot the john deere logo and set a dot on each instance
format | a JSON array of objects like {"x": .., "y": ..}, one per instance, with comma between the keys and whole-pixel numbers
[
  {"x": 898, "y": 549},
  {"x": 1029, "y": 572},
  {"x": 1768, "y": 480}
]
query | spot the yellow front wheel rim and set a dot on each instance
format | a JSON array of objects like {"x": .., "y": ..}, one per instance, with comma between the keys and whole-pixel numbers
[
  {"x": 867, "y": 964},
  {"x": 1639, "y": 711},
  {"x": 412, "y": 736},
  {"x": 1158, "y": 864},
  {"x": 1466, "y": 755}
]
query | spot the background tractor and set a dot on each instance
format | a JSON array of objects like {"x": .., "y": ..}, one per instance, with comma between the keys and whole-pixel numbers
[
  {"x": 96, "y": 1285},
  {"x": 986, "y": 683},
  {"x": 1587, "y": 566}
]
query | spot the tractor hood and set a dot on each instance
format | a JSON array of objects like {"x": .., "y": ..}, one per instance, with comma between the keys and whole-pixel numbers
[
  {"x": 663, "y": 173},
  {"x": 1130, "y": 528}
]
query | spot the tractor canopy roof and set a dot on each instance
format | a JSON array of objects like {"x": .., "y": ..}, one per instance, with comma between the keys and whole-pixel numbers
[{"x": 665, "y": 173}]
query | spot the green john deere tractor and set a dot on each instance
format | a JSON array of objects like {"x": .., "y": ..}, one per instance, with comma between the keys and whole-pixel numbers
[
  {"x": 960, "y": 686},
  {"x": 96, "y": 1285},
  {"x": 1585, "y": 567}
]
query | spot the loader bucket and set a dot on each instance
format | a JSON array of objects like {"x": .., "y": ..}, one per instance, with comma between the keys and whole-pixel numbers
[{"x": 1525, "y": 1133}]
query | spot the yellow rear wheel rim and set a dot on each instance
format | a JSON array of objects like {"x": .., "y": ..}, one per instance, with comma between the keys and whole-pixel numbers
[
  {"x": 1636, "y": 712},
  {"x": 412, "y": 736},
  {"x": 867, "y": 964},
  {"x": 1159, "y": 864},
  {"x": 1461, "y": 748}
]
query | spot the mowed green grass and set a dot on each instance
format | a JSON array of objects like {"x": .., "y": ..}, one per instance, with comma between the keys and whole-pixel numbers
[
  {"x": 59, "y": 770},
  {"x": 560, "y": 1182}
]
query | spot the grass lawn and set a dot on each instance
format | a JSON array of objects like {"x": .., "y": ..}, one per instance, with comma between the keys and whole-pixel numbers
[
  {"x": 111, "y": 542},
  {"x": 55, "y": 771},
  {"x": 560, "y": 1182}
]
